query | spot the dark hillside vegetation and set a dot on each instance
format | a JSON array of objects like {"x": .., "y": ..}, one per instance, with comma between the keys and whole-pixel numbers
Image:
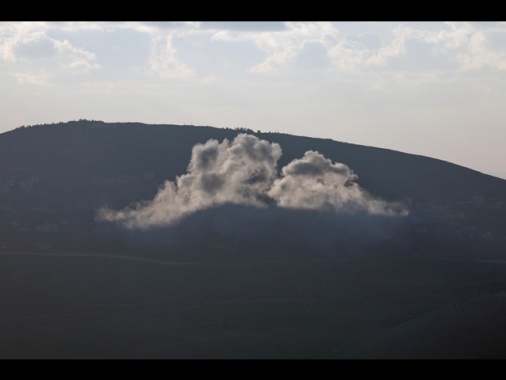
[
  {"x": 56, "y": 176},
  {"x": 235, "y": 281}
]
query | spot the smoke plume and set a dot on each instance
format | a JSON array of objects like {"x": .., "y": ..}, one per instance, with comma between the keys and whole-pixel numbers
[{"x": 244, "y": 172}]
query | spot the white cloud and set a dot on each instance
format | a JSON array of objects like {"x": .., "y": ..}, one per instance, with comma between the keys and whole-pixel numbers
[
  {"x": 28, "y": 43},
  {"x": 480, "y": 55},
  {"x": 350, "y": 47},
  {"x": 31, "y": 78},
  {"x": 14, "y": 34},
  {"x": 164, "y": 62},
  {"x": 443, "y": 46},
  {"x": 431, "y": 47},
  {"x": 283, "y": 47},
  {"x": 75, "y": 59},
  {"x": 461, "y": 45}
]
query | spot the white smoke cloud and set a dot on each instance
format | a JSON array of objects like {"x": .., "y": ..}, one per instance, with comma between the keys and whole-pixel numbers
[
  {"x": 314, "y": 182},
  {"x": 244, "y": 172}
]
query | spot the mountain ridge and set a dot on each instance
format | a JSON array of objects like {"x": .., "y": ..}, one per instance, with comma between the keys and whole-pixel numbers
[
  {"x": 234, "y": 281},
  {"x": 74, "y": 168}
]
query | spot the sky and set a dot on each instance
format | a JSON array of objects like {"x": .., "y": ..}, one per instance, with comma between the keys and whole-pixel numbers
[{"x": 436, "y": 89}]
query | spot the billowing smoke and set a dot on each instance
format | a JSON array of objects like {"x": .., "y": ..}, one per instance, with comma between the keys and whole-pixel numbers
[
  {"x": 244, "y": 172},
  {"x": 314, "y": 182}
]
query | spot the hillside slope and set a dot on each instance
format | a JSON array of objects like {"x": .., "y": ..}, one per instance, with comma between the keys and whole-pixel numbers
[
  {"x": 234, "y": 281},
  {"x": 55, "y": 177}
]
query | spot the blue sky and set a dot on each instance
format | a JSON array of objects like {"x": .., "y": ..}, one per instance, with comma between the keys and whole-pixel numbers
[{"x": 436, "y": 89}]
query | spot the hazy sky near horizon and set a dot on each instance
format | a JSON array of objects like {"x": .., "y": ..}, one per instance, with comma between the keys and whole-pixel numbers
[{"x": 431, "y": 88}]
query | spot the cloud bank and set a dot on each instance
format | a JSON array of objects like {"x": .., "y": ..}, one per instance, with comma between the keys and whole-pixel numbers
[{"x": 244, "y": 172}]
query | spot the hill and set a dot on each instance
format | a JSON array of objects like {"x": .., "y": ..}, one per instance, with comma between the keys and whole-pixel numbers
[
  {"x": 231, "y": 280},
  {"x": 55, "y": 177}
]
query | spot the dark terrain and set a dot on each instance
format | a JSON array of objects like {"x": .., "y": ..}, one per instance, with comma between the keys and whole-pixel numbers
[{"x": 232, "y": 282}]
